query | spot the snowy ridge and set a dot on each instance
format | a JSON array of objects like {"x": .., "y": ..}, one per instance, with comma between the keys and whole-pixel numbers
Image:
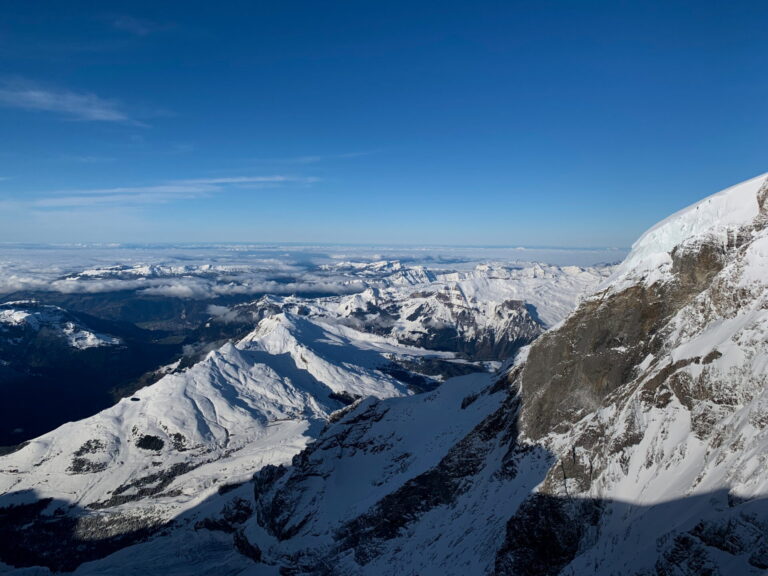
[
  {"x": 716, "y": 216},
  {"x": 20, "y": 316}
]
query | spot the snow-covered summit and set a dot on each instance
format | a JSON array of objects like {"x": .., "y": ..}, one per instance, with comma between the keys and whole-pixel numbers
[{"x": 718, "y": 217}]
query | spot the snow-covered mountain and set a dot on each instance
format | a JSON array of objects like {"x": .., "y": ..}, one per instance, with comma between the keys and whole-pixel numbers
[
  {"x": 58, "y": 365},
  {"x": 246, "y": 405},
  {"x": 486, "y": 313},
  {"x": 24, "y": 320},
  {"x": 630, "y": 439},
  {"x": 473, "y": 312}
]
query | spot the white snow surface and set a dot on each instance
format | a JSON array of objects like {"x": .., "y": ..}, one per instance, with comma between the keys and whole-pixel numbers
[{"x": 716, "y": 216}]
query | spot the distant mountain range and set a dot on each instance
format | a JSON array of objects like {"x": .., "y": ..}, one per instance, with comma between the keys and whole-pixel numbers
[{"x": 67, "y": 355}]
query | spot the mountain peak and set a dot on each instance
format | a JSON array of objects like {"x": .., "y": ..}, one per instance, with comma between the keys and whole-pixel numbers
[{"x": 717, "y": 218}]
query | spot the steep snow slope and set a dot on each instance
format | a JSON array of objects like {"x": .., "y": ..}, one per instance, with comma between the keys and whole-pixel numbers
[
  {"x": 362, "y": 459},
  {"x": 718, "y": 218}
]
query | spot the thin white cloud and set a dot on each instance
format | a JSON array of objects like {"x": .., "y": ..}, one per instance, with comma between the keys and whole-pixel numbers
[
  {"x": 161, "y": 193},
  {"x": 249, "y": 180},
  {"x": 150, "y": 195},
  {"x": 136, "y": 26},
  {"x": 311, "y": 159},
  {"x": 80, "y": 159},
  {"x": 77, "y": 105}
]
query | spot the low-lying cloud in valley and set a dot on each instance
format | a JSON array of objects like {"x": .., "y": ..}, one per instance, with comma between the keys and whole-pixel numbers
[{"x": 214, "y": 271}]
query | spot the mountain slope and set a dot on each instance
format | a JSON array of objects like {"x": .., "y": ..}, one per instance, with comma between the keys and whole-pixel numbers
[
  {"x": 133, "y": 470},
  {"x": 632, "y": 440},
  {"x": 20, "y": 319},
  {"x": 655, "y": 390},
  {"x": 150, "y": 457}
]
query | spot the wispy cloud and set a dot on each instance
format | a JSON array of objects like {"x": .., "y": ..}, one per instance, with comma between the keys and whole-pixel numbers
[
  {"x": 136, "y": 26},
  {"x": 182, "y": 147},
  {"x": 87, "y": 159},
  {"x": 311, "y": 159},
  {"x": 76, "y": 105},
  {"x": 250, "y": 180},
  {"x": 171, "y": 191}
]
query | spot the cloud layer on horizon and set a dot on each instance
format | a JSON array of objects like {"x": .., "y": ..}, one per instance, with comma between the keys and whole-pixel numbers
[{"x": 214, "y": 271}]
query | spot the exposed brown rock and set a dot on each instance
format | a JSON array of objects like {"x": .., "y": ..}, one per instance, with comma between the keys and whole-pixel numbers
[{"x": 573, "y": 370}]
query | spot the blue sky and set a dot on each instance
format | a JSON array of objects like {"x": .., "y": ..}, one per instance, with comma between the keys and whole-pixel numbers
[{"x": 502, "y": 123}]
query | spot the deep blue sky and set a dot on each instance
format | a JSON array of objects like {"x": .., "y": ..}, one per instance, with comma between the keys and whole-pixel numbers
[{"x": 509, "y": 123}]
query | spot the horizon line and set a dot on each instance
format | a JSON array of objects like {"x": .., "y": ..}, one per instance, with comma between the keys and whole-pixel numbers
[{"x": 213, "y": 243}]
